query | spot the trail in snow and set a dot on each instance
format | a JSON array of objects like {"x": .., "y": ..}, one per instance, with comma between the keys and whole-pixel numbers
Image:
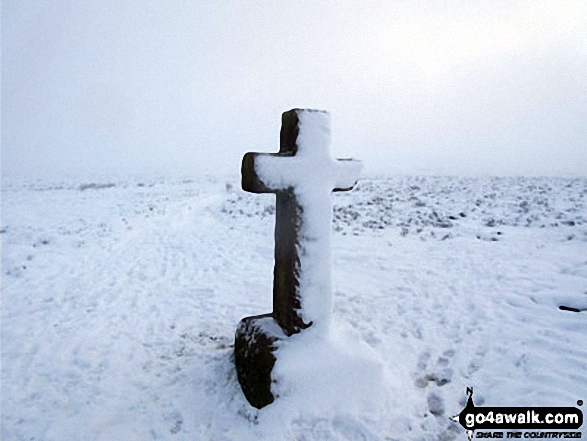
[{"x": 119, "y": 305}]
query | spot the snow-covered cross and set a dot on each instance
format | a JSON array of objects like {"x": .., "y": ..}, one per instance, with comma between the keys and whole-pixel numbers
[{"x": 302, "y": 175}]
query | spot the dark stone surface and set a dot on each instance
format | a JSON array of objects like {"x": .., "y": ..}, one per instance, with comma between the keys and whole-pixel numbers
[
  {"x": 254, "y": 359},
  {"x": 255, "y": 339}
]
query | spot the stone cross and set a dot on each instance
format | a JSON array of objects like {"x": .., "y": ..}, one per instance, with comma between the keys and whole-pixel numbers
[{"x": 302, "y": 175}]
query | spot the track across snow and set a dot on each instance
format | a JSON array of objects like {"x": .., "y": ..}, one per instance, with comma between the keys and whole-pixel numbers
[{"x": 120, "y": 301}]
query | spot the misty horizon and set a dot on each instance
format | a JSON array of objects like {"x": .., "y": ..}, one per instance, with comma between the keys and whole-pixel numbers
[{"x": 478, "y": 88}]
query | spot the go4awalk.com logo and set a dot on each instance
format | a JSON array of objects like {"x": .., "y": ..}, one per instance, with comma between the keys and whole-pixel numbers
[{"x": 520, "y": 422}]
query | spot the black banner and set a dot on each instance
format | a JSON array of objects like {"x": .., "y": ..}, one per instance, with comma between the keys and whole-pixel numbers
[{"x": 521, "y": 418}]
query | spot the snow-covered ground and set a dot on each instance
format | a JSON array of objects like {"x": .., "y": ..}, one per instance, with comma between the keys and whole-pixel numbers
[{"x": 120, "y": 301}]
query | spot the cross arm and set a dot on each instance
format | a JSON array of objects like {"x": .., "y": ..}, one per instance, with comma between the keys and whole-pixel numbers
[
  {"x": 251, "y": 180},
  {"x": 347, "y": 172}
]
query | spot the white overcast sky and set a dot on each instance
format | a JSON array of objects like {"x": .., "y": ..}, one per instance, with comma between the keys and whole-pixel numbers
[{"x": 186, "y": 87}]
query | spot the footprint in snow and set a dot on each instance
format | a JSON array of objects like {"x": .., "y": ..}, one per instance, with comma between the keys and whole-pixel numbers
[{"x": 438, "y": 372}]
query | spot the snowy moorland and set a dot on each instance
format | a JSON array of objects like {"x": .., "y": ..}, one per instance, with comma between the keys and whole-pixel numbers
[{"x": 121, "y": 298}]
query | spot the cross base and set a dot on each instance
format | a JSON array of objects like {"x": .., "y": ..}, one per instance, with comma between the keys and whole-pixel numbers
[{"x": 253, "y": 356}]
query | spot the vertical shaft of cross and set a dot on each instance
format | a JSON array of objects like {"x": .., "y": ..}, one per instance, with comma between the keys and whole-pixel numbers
[
  {"x": 288, "y": 221},
  {"x": 302, "y": 175}
]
